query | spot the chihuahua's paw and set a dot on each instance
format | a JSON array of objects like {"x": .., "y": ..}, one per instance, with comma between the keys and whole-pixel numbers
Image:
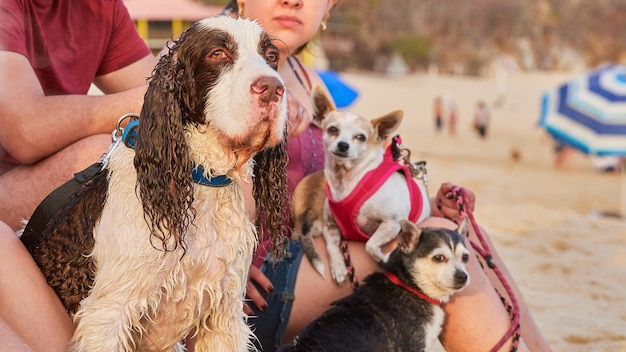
[
  {"x": 377, "y": 254},
  {"x": 318, "y": 265},
  {"x": 339, "y": 272}
]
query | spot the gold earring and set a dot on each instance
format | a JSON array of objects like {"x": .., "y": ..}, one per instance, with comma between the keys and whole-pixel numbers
[
  {"x": 240, "y": 8},
  {"x": 324, "y": 21}
]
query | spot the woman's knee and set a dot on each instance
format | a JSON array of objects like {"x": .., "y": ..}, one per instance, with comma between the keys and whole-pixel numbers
[
  {"x": 87, "y": 150},
  {"x": 73, "y": 158}
]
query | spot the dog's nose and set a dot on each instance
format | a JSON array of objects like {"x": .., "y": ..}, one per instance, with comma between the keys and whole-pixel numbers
[
  {"x": 460, "y": 278},
  {"x": 270, "y": 89},
  {"x": 343, "y": 147}
]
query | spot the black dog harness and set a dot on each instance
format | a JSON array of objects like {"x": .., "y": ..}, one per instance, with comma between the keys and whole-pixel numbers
[{"x": 31, "y": 235}]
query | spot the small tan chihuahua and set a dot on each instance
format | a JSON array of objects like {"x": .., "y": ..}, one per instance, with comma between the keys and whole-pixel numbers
[{"x": 362, "y": 194}]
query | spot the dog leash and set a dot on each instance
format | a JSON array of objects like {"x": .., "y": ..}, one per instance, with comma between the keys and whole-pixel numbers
[
  {"x": 343, "y": 245},
  {"x": 483, "y": 250}
]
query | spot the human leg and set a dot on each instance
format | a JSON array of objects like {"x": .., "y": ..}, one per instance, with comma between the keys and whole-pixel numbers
[
  {"x": 10, "y": 341},
  {"x": 29, "y": 308},
  {"x": 270, "y": 324},
  {"x": 24, "y": 187}
]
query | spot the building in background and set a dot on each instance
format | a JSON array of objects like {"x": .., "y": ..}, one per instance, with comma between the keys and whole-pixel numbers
[{"x": 158, "y": 21}]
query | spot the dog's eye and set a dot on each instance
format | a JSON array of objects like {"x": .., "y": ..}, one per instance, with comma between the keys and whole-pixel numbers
[
  {"x": 465, "y": 258},
  {"x": 332, "y": 130},
  {"x": 439, "y": 258},
  {"x": 272, "y": 56},
  {"x": 218, "y": 54},
  {"x": 360, "y": 137}
]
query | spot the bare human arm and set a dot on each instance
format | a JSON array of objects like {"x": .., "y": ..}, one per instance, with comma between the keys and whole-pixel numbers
[
  {"x": 56, "y": 136},
  {"x": 35, "y": 126}
]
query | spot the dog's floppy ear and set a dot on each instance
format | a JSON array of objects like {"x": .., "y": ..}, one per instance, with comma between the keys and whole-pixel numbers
[
  {"x": 271, "y": 196},
  {"x": 162, "y": 156},
  {"x": 322, "y": 104},
  {"x": 386, "y": 125},
  {"x": 409, "y": 236},
  {"x": 462, "y": 229}
]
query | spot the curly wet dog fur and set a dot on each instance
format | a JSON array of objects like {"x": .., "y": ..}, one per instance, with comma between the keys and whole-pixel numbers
[
  {"x": 398, "y": 309},
  {"x": 142, "y": 256}
]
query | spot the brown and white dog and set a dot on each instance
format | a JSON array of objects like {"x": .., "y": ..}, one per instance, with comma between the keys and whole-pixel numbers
[
  {"x": 153, "y": 250},
  {"x": 367, "y": 192}
]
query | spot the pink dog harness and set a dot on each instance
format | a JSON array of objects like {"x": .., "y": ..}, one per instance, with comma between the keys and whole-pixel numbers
[{"x": 346, "y": 210}]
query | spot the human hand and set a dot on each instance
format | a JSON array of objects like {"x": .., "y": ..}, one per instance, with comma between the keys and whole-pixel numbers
[
  {"x": 255, "y": 275},
  {"x": 445, "y": 202},
  {"x": 298, "y": 118}
]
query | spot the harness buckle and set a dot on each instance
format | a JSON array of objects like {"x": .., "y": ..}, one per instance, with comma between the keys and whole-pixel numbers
[
  {"x": 403, "y": 154},
  {"x": 116, "y": 137}
]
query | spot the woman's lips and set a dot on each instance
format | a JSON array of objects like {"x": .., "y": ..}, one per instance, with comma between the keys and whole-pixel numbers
[{"x": 288, "y": 21}]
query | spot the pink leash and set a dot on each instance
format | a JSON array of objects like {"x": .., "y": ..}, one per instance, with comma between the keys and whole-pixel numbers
[
  {"x": 465, "y": 210},
  {"x": 354, "y": 281}
]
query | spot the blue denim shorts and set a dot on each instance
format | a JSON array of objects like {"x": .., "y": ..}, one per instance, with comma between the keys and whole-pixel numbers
[{"x": 269, "y": 326}]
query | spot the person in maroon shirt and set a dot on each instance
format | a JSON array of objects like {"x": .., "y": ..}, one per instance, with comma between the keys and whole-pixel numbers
[{"x": 50, "y": 54}]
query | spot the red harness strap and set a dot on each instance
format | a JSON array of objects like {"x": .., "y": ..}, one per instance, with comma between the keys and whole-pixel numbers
[
  {"x": 346, "y": 210},
  {"x": 396, "y": 280}
]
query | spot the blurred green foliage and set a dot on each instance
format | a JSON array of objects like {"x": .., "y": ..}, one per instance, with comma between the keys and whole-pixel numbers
[{"x": 414, "y": 49}]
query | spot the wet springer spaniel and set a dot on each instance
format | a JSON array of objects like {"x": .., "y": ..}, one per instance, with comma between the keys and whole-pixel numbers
[{"x": 158, "y": 245}]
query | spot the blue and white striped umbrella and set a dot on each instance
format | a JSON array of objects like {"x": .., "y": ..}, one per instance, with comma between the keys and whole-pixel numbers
[{"x": 589, "y": 112}]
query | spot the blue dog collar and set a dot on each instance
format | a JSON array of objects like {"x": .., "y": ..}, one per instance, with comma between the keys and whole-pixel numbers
[
  {"x": 197, "y": 174},
  {"x": 129, "y": 137}
]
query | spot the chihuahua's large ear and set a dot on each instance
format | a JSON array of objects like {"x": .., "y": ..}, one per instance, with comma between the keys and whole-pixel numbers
[
  {"x": 462, "y": 229},
  {"x": 386, "y": 125},
  {"x": 409, "y": 236},
  {"x": 322, "y": 104}
]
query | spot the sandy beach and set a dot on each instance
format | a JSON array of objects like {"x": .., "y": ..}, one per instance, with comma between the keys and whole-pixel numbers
[{"x": 569, "y": 263}]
